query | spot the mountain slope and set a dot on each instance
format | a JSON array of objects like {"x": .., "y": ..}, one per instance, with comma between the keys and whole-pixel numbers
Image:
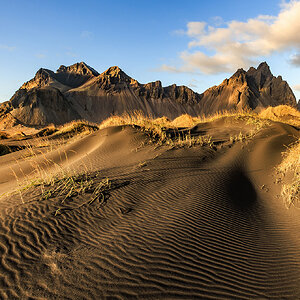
[{"x": 80, "y": 92}]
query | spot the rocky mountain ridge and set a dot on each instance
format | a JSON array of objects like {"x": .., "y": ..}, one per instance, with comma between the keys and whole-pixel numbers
[{"x": 80, "y": 92}]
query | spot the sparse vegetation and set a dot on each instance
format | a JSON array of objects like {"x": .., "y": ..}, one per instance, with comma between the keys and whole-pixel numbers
[
  {"x": 68, "y": 129},
  {"x": 49, "y": 130},
  {"x": 282, "y": 113},
  {"x": 242, "y": 137},
  {"x": 70, "y": 186},
  {"x": 290, "y": 168},
  {"x": 63, "y": 185},
  {"x": 163, "y": 131},
  {"x": 76, "y": 127}
]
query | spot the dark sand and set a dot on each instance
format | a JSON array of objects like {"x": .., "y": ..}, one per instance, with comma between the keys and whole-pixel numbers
[{"x": 186, "y": 223}]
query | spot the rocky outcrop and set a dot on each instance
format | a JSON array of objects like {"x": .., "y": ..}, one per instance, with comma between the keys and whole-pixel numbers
[
  {"x": 252, "y": 89},
  {"x": 80, "y": 92},
  {"x": 40, "y": 106}
]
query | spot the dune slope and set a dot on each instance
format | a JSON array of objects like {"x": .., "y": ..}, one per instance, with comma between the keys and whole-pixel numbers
[{"x": 199, "y": 222}]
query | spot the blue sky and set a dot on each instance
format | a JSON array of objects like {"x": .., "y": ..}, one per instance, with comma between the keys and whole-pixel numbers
[{"x": 193, "y": 43}]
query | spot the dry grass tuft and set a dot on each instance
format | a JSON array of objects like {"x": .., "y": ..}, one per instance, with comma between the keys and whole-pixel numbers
[
  {"x": 49, "y": 130},
  {"x": 290, "y": 167},
  {"x": 156, "y": 128},
  {"x": 185, "y": 121},
  {"x": 54, "y": 181},
  {"x": 282, "y": 113},
  {"x": 68, "y": 129},
  {"x": 76, "y": 127},
  {"x": 159, "y": 129},
  {"x": 69, "y": 186}
]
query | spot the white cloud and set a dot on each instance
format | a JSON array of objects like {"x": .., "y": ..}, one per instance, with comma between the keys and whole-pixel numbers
[
  {"x": 196, "y": 28},
  {"x": 215, "y": 49},
  {"x": 8, "y": 48}
]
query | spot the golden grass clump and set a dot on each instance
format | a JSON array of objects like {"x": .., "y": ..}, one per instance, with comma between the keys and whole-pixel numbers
[
  {"x": 67, "y": 186},
  {"x": 185, "y": 121},
  {"x": 282, "y": 113},
  {"x": 70, "y": 129},
  {"x": 76, "y": 127},
  {"x": 290, "y": 167},
  {"x": 47, "y": 131},
  {"x": 154, "y": 127},
  {"x": 70, "y": 186},
  {"x": 160, "y": 128}
]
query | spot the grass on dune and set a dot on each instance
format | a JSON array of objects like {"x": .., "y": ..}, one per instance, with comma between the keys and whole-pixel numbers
[
  {"x": 282, "y": 113},
  {"x": 92, "y": 186},
  {"x": 159, "y": 129},
  {"x": 52, "y": 137},
  {"x": 162, "y": 131},
  {"x": 290, "y": 167},
  {"x": 62, "y": 184},
  {"x": 68, "y": 129}
]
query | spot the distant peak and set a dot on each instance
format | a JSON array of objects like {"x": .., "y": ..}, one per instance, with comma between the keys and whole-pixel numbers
[
  {"x": 114, "y": 71},
  {"x": 263, "y": 65},
  {"x": 238, "y": 73},
  {"x": 264, "y": 68},
  {"x": 116, "y": 74},
  {"x": 78, "y": 68},
  {"x": 42, "y": 71}
]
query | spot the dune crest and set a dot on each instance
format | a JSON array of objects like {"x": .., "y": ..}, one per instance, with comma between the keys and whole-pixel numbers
[{"x": 134, "y": 211}]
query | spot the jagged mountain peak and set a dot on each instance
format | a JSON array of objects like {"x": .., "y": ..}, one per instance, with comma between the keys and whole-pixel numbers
[
  {"x": 42, "y": 71},
  {"x": 80, "y": 68},
  {"x": 115, "y": 75},
  {"x": 80, "y": 92},
  {"x": 238, "y": 73},
  {"x": 43, "y": 77},
  {"x": 263, "y": 69},
  {"x": 115, "y": 72}
]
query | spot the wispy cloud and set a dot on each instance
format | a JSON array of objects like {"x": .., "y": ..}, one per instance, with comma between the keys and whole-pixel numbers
[
  {"x": 297, "y": 87},
  {"x": 86, "y": 34},
  {"x": 295, "y": 59},
  {"x": 216, "y": 49},
  {"x": 193, "y": 83},
  {"x": 8, "y": 48},
  {"x": 217, "y": 21}
]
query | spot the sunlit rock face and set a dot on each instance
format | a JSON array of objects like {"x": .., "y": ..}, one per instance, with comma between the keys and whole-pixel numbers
[{"x": 80, "y": 92}]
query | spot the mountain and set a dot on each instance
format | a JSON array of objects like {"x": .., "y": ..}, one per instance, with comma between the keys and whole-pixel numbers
[{"x": 80, "y": 92}]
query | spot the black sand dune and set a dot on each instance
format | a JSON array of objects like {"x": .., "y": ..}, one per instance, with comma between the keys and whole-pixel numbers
[{"x": 189, "y": 223}]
